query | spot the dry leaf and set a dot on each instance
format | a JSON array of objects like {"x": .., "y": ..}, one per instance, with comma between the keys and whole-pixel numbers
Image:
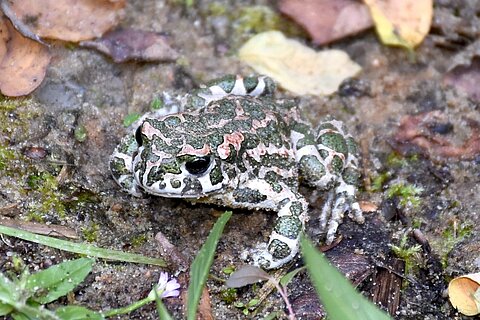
[
  {"x": 464, "y": 294},
  {"x": 246, "y": 275},
  {"x": 368, "y": 206},
  {"x": 129, "y": 44},
  {"x": 328, "y": 20},
  {"x": 23, "y": 62},
  {"x": 69, "y": 20},
  {"x": 295, "y": 66},
  {"x": 401, "y": 22},
  {"x": 428, "y": 133}
]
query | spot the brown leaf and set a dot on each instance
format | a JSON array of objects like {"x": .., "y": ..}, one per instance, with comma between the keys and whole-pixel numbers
[
  {"x": 425, "y": 132},
  {"x": 328, "y": 20},
  {"x": 129, "y": 44},
  {"x": 69, "y": 20},
  {"x": 23, "y": 62}
]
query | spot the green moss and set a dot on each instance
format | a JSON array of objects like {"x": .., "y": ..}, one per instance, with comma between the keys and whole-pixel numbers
[
  {"x": 217, "y": 9},
  {"x": 80, "y": 133},
  {"x": 157, "y": 103},
  {"x": 48, "y": 197},
  {"x": 6, "y": 155},
  {"x": 409, "y": 254},
  {"x": 90, "y": 233},
  {"x": 138, "y": 240},
  {"x": 130, "y": 119},
  {"x": 256, "y": 19},
  {"x": 451, "y": 237},
  {"x": 229, "y": 295},
  {"x": 379, "y": 181},
  {"x": 407, "y": 193}
]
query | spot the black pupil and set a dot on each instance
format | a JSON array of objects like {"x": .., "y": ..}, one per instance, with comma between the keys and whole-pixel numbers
[
  {"x": 198, "y": 166},
  {"x": 138, "y": 136}
]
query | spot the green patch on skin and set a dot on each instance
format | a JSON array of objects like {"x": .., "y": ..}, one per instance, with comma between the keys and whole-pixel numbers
[
  {"x": 216, "y": 175},
  {"x": 310, "y": 167},
  {"x": 117, "y": 166},
  {"x": 248, "y": 195},
  {"x": 288, "y": 226},
  {"x": 279, "y": 249},
  {"x": 90, "y": 233},
  {"x": 351, "y": 176},
  {"x": 176, "y": 183},
  {"x": 334, "y": 141},
  {"x": 407, "y": 194}
]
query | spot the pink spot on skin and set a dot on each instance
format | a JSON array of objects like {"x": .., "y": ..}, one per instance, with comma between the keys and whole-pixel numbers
[
  {"x": 149, "y": 130},
  {"x": 188, "y": 149},
  {"x": 235, "y": 139}
]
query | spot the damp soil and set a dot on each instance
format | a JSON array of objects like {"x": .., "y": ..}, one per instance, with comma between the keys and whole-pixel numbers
[{"x": 86, "y": 93}]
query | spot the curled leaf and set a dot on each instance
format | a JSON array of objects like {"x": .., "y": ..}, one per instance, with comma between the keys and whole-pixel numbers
[
  {"x": 401, "y": 22},
  {"x": 246, "y": 275},
  {"x": 23, "y": 62},
  {"x": 69, "y": 20},
  {"x": 295, "y": 66},
  {"x": 464, "y": 294},
  {"x": 129, "y": 44}
]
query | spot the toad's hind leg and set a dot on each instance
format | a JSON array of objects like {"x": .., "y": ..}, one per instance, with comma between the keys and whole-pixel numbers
[{"x": 328, "y": 161}]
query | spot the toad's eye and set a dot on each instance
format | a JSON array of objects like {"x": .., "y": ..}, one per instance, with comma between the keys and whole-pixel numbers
[
  {"x": 198, "y": 165},
  {"x": 138, "y": 136}
]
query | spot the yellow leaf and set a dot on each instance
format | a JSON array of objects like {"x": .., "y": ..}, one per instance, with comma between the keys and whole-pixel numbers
[
  {"x": 295, "y": 66},
  {"x": 401, "y": 22}
]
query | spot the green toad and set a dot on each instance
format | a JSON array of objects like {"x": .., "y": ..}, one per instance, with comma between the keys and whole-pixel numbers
[{"x": 231, "y": 143}]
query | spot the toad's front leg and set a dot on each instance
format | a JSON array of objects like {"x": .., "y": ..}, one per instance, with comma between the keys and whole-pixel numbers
[{"x": 291, "y": 210}]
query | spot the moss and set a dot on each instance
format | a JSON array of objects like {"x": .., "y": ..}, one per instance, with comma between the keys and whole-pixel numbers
[
  {"x": 90, "y": 233},
  {"x": 397, "y": 160},
  {"x": 379, "y": 182},
  {"x": 409, "y": 254},
  {"x": 80, "y": 133},
  {"x": 49, "y": 199},
  {"x": 6, "y": 155},
  {"x": 256, "y": 19},
  {"x": 407, "y": 193},
  {"x": 451, "y": 237},
  {"x": 229, "y": 295},
  {"x": 139, "y": 240}
]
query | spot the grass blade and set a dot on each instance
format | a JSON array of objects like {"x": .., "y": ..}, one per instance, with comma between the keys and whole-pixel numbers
[
  {"x": 81, "y": 248},
  {"x": 201, "y": 265}
]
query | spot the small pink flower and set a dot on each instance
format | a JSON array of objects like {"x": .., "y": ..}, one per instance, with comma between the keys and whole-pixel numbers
[{"x": 166, "y": 288}]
